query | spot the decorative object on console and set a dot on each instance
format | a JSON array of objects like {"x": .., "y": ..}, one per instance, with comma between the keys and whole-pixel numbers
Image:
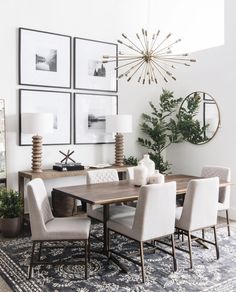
[
  {"x": 37, "y": 124},
  {"x": 41, "y": 101},
  {"x": 119, "y": 124},
  {"x": 140, "y": 174},
  {"x": 199, "y": 118},
  {"x": 67, "y": 156},
  {"x": 131, "y": 161},
  {"x": 89, "y": 71},
  {"x": 90, "y": 111},
  {"x": 149, "y": 164},
  {"x": 44, "y": 58},
  {"x": 68, "y": 166},
  {"x": 151, "y": 59}
]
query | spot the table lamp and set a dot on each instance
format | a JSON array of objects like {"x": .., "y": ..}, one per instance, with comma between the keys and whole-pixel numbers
[
  {"x": 119, "y": 124},
  {"x": 37, "y": 124}
]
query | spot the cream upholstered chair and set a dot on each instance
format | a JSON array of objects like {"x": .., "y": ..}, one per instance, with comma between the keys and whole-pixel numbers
[
  {"x": 115, "y": 211},
  {"x": 130, "y": 172},
  {"x": 154, "y": 218},
  {"x": 199, "y": 210},
  {"x": 224, "y": 192},
  {"x": 45, "y": 227}
]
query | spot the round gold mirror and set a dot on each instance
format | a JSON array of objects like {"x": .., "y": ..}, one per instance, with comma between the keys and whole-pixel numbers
[{"x": 199, "y": 117}]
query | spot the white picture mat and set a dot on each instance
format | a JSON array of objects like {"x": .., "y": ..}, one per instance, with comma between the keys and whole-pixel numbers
[
  {"x": 85, "y": 51},
  {"x": 31, "y": 43},
  {"x": 98, "y": 105},
  {"x": 58, "y": 103}
]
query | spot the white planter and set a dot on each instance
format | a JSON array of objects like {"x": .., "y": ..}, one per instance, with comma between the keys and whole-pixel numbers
[
  {"x": 149, "y": 164},
  {"x": 140, "y": 174},
  {"x": 156, "y": 178}
]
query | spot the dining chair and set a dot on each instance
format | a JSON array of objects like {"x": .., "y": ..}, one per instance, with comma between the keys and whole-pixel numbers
[
  {"x": 199, "y": 211},
  {"x": 130, "y": 172},
  {"x": 115, "y": 211},
  {"x": 224, "y": 174},
  {"x": 154, "y": 218},
  {"x": 45, "y": 227}
]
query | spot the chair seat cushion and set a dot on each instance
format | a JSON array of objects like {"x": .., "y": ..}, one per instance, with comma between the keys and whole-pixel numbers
[
  {"x": 114, "y": 212},
  {"x": 122, "y": 225},
  {"x": 222, "y": 207},
  {"x": 66, "y": 228}
]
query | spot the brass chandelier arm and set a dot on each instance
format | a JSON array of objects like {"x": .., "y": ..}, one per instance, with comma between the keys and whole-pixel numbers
[
  {"x": 128, "y": 46},
  {"x": 136, "y": 70},
  {"x": 163, "y": 69},
  {"x": 154, "y": 75},
  {"x": 166, "y": 38},
  {"x": 129, "y": 70},
  {"x": 177, "y": 59},
  {"x": 155, "y": 38},
  {"x": 156, "y": 67},
  {"x": 124, "y": 36},
  {"x": 140, "y": 77},
  {"x": 169, "y": 46},
  {"x": 175, "y": 62},
  {"x": 127, "y": 59},
  {"x": 138, "y": 37},
  {"x": 121, "y": 66}
]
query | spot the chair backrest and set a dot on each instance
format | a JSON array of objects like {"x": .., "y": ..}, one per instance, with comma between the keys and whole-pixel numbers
[
  {"x": 102, "y": 175},
  {"x": 200, "y": 204},
  {"x": 224, "y": 174},
  {"x": 39, "y": 207},
  {"x": 130, "y": 172},
  {"x": 155, "y": 211}
]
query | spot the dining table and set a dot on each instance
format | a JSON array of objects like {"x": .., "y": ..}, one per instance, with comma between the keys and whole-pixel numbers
[{"x": 118, "y": 192}]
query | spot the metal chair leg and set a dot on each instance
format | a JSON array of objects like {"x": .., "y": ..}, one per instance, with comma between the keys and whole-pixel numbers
[
  {"x": 203, "y": 233},
  {"x": 227, "y": 219},
  {"x": 31, "y": 261},
  {"x": 89, "y": 248},
  {"x": 190, "y": 250},
  {"x": 86, "y": 259},
  {"x": 40, "y": 249},
  {"x": 108, "y": 243},
  {"x": 173, "y": 252},
  {"x": 216, "y": 244},
  {"x": 142, "y": 262}
]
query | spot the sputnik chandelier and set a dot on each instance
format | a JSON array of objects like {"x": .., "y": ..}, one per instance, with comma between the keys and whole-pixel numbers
[{"x": 149, "y": 59}]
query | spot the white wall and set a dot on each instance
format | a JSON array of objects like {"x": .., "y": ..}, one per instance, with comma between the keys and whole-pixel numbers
[
  {"x": 106, "y": 20},
  {"x": 214, "y": 73}
]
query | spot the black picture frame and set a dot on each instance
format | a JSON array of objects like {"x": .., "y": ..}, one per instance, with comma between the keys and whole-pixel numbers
[
  {"x": 84, "y": 117},
  {"x": 30, "y": 72},
  {"x": 84, "y": 79},
  {"x": 42, "y": 97}
]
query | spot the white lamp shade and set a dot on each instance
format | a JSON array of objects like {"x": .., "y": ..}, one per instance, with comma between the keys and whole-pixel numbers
[
  {"x": 37, "y": 123},
  {"x": 119, "y": 124}
]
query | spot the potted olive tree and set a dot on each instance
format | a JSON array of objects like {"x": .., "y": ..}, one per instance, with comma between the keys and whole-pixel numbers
[{"x": 10, "y": 212}]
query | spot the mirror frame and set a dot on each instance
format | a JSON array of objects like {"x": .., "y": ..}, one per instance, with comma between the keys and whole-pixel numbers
[{"x": 203, "y": 93}]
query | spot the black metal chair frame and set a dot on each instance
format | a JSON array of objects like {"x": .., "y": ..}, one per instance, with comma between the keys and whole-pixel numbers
[
  {"x": 39, "y": 262},
  {"x": 141, "y": 243}
]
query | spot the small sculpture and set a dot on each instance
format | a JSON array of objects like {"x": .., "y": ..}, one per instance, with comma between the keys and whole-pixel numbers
[{"x": 67, "y": 156}]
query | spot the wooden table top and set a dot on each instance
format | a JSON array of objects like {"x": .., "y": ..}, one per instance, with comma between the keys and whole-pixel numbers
[{"x": 115, "y": 192}]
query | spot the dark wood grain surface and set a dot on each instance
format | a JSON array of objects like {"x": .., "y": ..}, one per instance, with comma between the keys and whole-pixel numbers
[{"x": 122, "y": 191}]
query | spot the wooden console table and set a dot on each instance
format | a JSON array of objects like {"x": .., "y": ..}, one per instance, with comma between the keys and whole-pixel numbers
[{"x": 52, "y": 174}]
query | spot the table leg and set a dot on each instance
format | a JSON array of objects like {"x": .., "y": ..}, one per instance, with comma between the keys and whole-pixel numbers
[
  {"x": 105, "y": 231},
  {"x": 21, "y": 190}
]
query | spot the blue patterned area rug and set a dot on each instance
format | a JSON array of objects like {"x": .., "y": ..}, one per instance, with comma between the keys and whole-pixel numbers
[{"x": 208, "y": 273}]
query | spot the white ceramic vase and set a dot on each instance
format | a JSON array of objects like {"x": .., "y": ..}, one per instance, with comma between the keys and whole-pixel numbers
[
  {"x": 140, "y": 174},
  {"x": 156, "y": 178},
  {"x": 149, "y": 164}
]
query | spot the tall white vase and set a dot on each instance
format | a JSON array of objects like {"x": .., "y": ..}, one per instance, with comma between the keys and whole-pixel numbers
[
  {"x": 140, "y": 174},
  {"x": 149, "y": 164}
]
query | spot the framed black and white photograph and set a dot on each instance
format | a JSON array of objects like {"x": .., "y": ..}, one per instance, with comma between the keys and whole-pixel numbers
[
  {"x": 58, "y": 104},
  {"x": 90, "y": 111},
  {"x": 44, "y": 58},
  {"x": 90, "y": 73}
]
